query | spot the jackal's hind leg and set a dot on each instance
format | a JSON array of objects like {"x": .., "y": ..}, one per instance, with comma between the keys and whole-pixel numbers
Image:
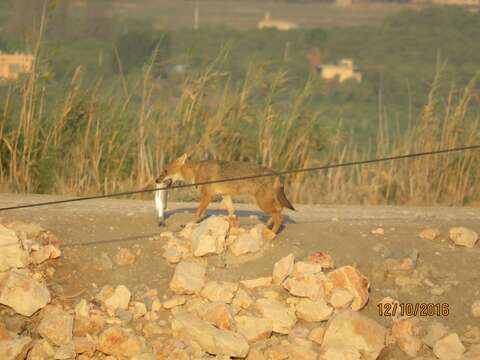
[
  {"x": 277, "y": 222},
  {"x": 269, "y": 222},
  {"x": 266, "y": 201}
]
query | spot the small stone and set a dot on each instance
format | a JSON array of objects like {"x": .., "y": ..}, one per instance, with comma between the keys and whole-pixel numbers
[
  {"x": 347, "y": 277},
  {"x": 378, "y": 231},
  {"x": 151, "y": 329},
  {"x": 211, "y": 340},
  {"x": 173, "y": 302},
  {"x": 437, "y": 290},
  {"x": 342, "y": 352},
  {"x": 88, "y": 326},
  {"x": 139, "y": 310},
  {"x": 124, "y": 257},
  {"x": 449, "y": 348},
  {"x": 209, "y": 237},
  {"x": 277, "y": 352},
  {"x": 172, "y": 255},
  {"x": 14, "y": 347},
  {"x": 195, "y": 304},
  {"x": 188, "y": 278},
  {"x": 12, "y": 254},
  {"x": 40, "y": 350},
  {"x": 177, "y": 249},
  {"x": 105, "y": 292},
  {"x": 253, "y": 328},
  {"x": 341, "y": 298},
  {"x": 119, "y": 299},
  {"x": 84, "y": 345},
  {"x": 429, "y": 234},
  {"x": 120, "y": 343},
  {"x": 405, "y": 265},
  {"x": 26, "y": 230},
  {"x": 316, "y": 335},
  {"x": 44, "y": 253},
  {"x": 183, "y": 355},
  {"x": 351, "y": 329},
  {"x": 322, "y": 258},
  {"x": 258, "y": 282},
  {"x": 312, "y": 311},
  {"x": 475, "y": 309},
  {"x": 14, "y": 323},
  {"x": 218, "y": 314},
  {"x": 283, "y": 268},
  {"x": 122, "y": 315},
  {"x": 223, "y": 291},
  {"x": 20, "y": 291},
  {"x": 255, "y": 354},
  {"x": 187, "y": 231},
  {"x": 283, "y": 318},
  {"x": 242, "y": 299},
  {"x": 306, "y": 285},
  {"x": 463, "y": 237},
  {"x": 246, "y": 243},
  {"x": 307, "y": 267},
  {"x": 402, "y": 331},
  {"x": 296, "y": 351},
  {"x": 56, "y": 326},
  {"x": 82, "y": 309},
  {"x": 271, "y": 294},
  {"x": 65, "y": 352},
  {"x": 435, "y": 331}
]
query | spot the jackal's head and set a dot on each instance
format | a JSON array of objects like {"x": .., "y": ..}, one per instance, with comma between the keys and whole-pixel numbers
[{"x": 172, "y": 171}]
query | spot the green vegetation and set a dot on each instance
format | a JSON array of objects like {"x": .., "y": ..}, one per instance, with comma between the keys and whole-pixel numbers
[{"x": 106, "y": 106}]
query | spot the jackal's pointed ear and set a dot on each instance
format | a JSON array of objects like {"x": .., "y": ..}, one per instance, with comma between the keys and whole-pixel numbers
[{"x": 182, "y": 159}]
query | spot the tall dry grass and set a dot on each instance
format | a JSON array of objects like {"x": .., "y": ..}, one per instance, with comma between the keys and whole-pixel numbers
[{"x": 92, "y": 142}]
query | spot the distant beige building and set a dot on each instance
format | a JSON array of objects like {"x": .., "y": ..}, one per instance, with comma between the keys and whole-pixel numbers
[
  {"x": 342, "y": 3},
  {"x": 12, "y": 65},
  {"x": 342, "y": 71},
  {"x": 281, "y": 25}
]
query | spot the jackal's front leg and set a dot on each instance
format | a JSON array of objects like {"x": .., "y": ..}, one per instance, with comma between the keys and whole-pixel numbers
[
  {"x": 206, "y": 198},
  {"x": 232, "y": 218}
]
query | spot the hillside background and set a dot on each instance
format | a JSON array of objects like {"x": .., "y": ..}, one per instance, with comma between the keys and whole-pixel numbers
[{"x": 121, "y": 87}]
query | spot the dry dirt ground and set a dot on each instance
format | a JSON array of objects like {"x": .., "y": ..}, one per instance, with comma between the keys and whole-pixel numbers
[{"x": 92, "y": 232}]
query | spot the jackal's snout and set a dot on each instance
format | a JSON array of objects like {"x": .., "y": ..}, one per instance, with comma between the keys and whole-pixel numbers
[{"x": 161, "y": 180}]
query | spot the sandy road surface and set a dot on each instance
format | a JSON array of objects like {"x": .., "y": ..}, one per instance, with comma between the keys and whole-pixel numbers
[{"x": 92, "y": 232}]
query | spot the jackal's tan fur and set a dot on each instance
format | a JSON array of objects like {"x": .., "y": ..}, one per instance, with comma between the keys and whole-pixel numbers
[{"x": 267, "y": 191}]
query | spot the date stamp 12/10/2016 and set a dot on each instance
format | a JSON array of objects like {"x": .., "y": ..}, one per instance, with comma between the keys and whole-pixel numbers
[{"x": 413, "y": 309}]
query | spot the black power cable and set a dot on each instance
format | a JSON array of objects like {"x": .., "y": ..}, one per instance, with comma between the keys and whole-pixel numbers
[{"x": 287, "y": 172}]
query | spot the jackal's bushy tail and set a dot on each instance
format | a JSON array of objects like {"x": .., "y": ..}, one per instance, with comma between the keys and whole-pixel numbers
[{"x": 283, "y": 199}]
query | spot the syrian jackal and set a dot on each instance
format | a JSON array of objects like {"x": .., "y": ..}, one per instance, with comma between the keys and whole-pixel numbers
[{"x": 268, "y": 191}]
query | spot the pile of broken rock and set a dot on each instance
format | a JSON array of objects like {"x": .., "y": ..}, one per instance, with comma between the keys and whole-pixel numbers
[
  {"x": 305, "y": 309},
  {"x": 24, "y": 251}
]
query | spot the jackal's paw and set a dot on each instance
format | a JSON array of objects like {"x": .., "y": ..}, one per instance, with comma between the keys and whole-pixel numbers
[{"x": 233, "y": 221}]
